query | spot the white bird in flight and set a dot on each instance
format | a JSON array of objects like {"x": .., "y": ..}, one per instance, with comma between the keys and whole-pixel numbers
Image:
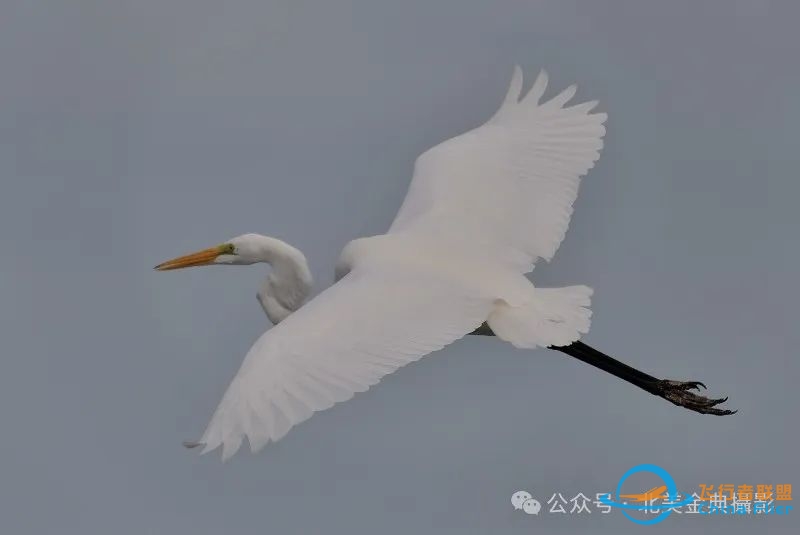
[{"x": 481, "y": 209}]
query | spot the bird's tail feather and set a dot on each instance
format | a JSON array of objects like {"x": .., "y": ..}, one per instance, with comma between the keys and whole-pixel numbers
[{"x": 552, "y": 317}]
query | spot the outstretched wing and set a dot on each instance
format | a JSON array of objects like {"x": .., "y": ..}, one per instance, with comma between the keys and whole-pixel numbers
[
  {"x": 507, "y": 186},
  {"x": 344, "y": 341}
]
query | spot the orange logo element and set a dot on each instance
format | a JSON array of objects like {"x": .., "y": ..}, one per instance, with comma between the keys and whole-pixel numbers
[{"x": 648, "y": 496}]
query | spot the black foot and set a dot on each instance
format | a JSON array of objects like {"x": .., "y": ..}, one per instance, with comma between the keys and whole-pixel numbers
[{"x": 679, "y": 393}]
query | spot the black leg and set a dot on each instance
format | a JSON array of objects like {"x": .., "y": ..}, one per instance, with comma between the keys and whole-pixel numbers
[{"x": 677, "y": 392}]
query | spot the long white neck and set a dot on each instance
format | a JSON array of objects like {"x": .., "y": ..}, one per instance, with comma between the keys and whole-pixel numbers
[{"x": 289, "y": 283}]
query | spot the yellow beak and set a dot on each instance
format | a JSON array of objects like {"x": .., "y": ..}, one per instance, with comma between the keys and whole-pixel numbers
[{"x": 200, "y": 258}]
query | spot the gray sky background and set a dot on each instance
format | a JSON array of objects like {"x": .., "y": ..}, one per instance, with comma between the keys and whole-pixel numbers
[{"x": 134, "y": 131}]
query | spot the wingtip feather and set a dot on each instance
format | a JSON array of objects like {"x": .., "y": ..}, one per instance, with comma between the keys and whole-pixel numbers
[
  {"x": 562, "y": 98},
  {"x": 515, "y": 87},
  {"x": 538, "y": 88}
]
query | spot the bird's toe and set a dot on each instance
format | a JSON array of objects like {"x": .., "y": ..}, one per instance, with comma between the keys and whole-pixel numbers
[{"x": 679, "y": 393}]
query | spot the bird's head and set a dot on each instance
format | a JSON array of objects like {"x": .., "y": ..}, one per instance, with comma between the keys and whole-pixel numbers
[
  {"x": 287, "y": 285},
  {"x": 242, "y": 250}
]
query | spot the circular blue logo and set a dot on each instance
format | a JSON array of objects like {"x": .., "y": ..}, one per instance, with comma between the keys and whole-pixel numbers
[{"x": 672, "y": 492}]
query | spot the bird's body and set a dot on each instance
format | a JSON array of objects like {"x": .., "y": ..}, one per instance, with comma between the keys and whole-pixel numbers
[
  {"x": 482, "y": 208},
  {"x": 419, "y": 255}
]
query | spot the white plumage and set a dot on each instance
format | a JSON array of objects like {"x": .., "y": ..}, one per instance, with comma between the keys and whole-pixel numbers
[
  {"x": 508, "y": 186},
  {"x": 481, "y": 209}
]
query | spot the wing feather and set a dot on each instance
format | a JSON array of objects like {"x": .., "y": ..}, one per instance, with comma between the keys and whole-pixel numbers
[
  {"x": 335, "y": 346},
  {"x": 509, "y": 185}
]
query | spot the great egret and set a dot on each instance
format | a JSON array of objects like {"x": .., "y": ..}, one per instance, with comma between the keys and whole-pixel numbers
[{"x": 482, "y": 208}]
